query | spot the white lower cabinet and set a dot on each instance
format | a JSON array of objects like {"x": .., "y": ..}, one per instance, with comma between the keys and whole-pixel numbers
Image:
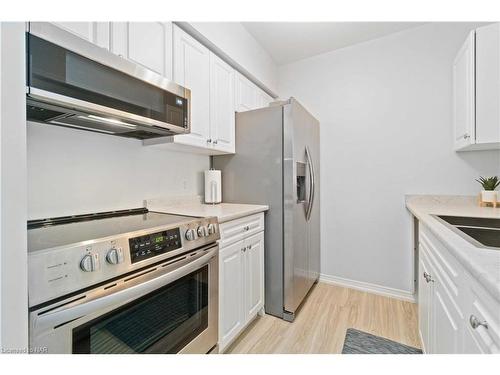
[
  {"x": 455, "y": 313},
  {"x": 241, "y": 285},
  {"x": 231, "y": 315},
  {"x": 253, "y": 273},
  {"x": 446, "y": 321},
  {"x": 424, "y": 303}
]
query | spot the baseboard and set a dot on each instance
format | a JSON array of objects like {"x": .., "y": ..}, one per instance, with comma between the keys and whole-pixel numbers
[{"x": 368, "y": 287}]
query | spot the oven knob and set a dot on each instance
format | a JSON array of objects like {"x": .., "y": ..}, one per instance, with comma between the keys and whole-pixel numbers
[
  {"x": 190, "y": 235},
  {"x": 90, "y": 262},
  {"x": 212, "y": 229},
  {"x": 202, "y": 231},
  {"x": 115, "y": 256}
]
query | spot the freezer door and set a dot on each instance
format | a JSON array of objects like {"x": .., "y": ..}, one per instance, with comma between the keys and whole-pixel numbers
[{"x": 300, "y": 206}]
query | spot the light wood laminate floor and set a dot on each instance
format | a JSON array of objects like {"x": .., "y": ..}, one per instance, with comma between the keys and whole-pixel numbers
[{"x": 321, "y": 324}]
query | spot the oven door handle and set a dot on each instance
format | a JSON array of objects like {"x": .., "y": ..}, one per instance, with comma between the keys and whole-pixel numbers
[{"x": 66, "y": 314}]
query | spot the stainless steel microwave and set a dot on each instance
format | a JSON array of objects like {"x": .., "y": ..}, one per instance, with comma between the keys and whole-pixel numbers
[{"x": 74, "y": 83}]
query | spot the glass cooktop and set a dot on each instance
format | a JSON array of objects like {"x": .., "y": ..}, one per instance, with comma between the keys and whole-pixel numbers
[{"x": 49, "y": 233}]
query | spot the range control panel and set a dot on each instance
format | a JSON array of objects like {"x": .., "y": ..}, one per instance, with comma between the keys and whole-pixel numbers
[{"x": 154, "y": 244}]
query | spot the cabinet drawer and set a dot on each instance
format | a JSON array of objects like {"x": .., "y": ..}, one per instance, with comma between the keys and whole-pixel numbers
[
  {"x": 450, "y": 270},
  {"x": 236, "y": 230},
  {"x": 479, "y": 304}
]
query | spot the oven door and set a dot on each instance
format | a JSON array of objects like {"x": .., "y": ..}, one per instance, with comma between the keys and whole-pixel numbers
[{"x": 168, "y": 308}]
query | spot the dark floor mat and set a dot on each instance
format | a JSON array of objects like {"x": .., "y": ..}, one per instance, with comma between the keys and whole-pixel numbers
[{"x": 359, "y": 342}]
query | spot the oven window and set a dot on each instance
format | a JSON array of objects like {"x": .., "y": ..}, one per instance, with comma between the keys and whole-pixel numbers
[{"x": 163, "y": 321}]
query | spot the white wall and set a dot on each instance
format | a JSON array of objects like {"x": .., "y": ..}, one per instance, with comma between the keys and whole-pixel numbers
[
  {"x": 386, "y": 131},
  {"x": 13, "y": 252},
  {"x": 72, "y": 171},
  {"x": 236, "y": 42}
]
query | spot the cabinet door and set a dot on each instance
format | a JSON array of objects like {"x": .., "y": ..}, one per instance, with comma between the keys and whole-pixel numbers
[
  {"x": 254, "y": 275},
  {"x": 263, "y": 99},
  {"x": 424, "y": 302},
  {"x": 231, "y": 293},
  {"x": 463, "y": 94},
  {"x": 470, "y": 344},
  {"x": 146, "y": 43},
  {"x": 488, "y": 84},
  {"x": 192, "y": 70},
  {"x": 95, "y": 32},
  {"x": 222, "y": 116},
  {"x": 446, "y": 322},
  {"x": 245, "y": 94}
]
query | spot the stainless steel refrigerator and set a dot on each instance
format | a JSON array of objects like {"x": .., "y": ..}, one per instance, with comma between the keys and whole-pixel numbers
[{"x": 277, "y": 164}]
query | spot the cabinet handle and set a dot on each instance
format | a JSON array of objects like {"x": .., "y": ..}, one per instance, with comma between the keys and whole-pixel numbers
[
  {"x": 249, "y": 247},
  {"x": 246, "y": 228},
  {"x": 244, "y": 249},
  {"x": 427, "y": 277},
  {"x": 215, "y": 142},
  {"x": 209, "y": 140},
  {"x": 466, "y": 136},
  {"x": 475, "y": 322}
]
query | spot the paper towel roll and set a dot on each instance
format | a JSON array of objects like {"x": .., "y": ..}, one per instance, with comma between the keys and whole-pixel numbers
[{"x": 213, "y": 188}]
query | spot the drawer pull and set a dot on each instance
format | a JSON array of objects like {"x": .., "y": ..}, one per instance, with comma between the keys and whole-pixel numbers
[
  {"x": 427, "y": 277},
  {"x": 246, "y": 228},
  {"x": 475, "y": 322}
]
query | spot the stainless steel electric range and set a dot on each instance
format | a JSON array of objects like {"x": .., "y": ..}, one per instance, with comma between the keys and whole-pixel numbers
[{"x": 130, "y": 281}]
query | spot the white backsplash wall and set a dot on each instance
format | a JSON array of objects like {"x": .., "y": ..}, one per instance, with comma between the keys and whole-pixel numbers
[
  {"x": 385, "y": 108},
  {"x": 72, "y": 171}
]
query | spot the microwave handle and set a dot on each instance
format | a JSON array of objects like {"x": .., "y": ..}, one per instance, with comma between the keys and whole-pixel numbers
[{"x": 67, "y": 314}]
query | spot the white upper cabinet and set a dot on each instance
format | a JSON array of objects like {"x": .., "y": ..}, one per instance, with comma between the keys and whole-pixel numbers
[
  {"x": 222, "y": 115},
  {"x": 211, "y": 82},
  {"x": 476, "y": 91},
  {"x": 263, "y": 99},
  {"x": 463, "y": 94},
  {"x": 245, "y": 94},
  {"x": 488, "y": 85},
  {"x": 146, "y": 43},
  {"x": 95, "y": 32},
  {"x": 248, "y": 96},
  {"x": 192, "y": 70}
]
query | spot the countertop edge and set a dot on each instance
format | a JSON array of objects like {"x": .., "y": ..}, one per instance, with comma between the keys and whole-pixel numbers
[
  {"x": 241, "y": 214},
  {"x": 234, "y": 210},
  {"x": 437, "y": 229}
]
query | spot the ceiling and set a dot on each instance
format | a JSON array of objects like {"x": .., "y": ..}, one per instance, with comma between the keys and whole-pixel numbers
[{"x": 291, "y": 41}]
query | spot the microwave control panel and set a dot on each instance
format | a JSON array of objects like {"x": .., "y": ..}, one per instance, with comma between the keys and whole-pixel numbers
[{"x": 150, "y": 245}]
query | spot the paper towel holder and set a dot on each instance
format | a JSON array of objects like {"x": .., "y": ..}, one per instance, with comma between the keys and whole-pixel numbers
[{"x": 213, "y": 190}]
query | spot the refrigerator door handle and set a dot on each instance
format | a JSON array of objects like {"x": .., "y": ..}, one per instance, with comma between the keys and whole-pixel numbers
[{"x": 311, "y": 183}]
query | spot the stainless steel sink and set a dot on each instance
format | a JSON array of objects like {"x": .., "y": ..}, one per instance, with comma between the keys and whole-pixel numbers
[{"x": 481, "y": 232}]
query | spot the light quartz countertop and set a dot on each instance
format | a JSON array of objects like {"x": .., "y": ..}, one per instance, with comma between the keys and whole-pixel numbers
[
  {"x": 193, "y": 206},
  {"x": 483, "y": 264}
]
